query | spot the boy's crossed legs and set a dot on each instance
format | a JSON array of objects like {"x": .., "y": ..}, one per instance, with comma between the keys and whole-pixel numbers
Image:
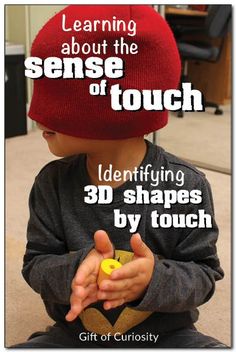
[{"x": 59, "y": 337}]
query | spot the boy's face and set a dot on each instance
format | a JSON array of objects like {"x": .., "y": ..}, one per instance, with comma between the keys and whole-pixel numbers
[{"x": 63, "y": 145}]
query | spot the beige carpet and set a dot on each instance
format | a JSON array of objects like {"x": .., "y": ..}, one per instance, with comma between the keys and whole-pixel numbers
[
  {"x": 25, "y": 313},
  {"x": 201, "y": 137}
]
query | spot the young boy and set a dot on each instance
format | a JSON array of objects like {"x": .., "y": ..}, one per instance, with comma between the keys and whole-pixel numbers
[{"x": 168, "y": 271}]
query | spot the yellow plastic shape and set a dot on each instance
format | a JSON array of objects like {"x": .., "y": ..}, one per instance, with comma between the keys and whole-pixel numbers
[{"x": 106, "y": 268}]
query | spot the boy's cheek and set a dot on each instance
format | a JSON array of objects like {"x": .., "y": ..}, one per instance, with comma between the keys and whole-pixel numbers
[
  {"x": 54, "y": 149},
  {"x": 63, "y": 145},
  {"x": 58, "y": 148}
]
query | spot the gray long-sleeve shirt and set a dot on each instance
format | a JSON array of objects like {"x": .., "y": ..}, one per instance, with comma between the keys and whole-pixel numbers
[{"x": 60, "y": 235}]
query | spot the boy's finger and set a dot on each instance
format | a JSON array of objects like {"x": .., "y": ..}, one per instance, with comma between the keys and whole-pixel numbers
[
  {"x": 140, "y": 249},
  {"x": 79, "y": 292},
  {"x": 89, "y": 280},
  {"x": 117, "y": 285},
  {"x": 88, "y": 295},
  {"x": 113, "y": 304},
  {"x": 112, "y": 295},
  {"x": 91, "y": 299},
  {"x": 103, "y": 244},
  {"x": 73, "y": 312},
  {"x": 85, "y": 270},
  {"x": 82, "y": 292},
  {"x": 127, "y": 271}
]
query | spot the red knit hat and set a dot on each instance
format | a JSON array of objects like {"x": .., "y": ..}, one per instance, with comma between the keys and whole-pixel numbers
[{"x": 66, "y": 106}]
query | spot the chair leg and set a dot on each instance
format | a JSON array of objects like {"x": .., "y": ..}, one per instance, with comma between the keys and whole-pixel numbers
[
  {"x": 180, "y": 113},
  {"x": 184, "y": 78},
  {"x": 218, "y": 111}
]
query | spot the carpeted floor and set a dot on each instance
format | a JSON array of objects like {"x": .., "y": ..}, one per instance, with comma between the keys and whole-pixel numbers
[
  {"x": 25, "y": 313},
  {"x": 201, "y": 137}
]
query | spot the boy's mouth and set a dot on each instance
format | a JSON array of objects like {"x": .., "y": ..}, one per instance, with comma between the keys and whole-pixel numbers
[{"x": 48, "y": 134}]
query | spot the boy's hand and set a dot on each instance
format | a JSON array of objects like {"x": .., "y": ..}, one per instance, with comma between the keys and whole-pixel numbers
[
  {"x": 84, "y": 284},
  {"x": 130, "y": 281}
]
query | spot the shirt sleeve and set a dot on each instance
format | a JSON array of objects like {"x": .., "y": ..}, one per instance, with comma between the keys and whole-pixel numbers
[
  {"x": 187, "y": 279},
  {"x": 48, "y": 266}
]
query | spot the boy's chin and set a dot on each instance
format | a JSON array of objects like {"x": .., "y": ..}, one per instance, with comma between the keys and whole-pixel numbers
[{"x": 60, "y": 153}]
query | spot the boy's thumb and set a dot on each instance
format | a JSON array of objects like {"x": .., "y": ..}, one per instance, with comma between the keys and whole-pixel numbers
[
  {"x": 103, "y": 244},
  {"x": 140, "y": 249}
]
